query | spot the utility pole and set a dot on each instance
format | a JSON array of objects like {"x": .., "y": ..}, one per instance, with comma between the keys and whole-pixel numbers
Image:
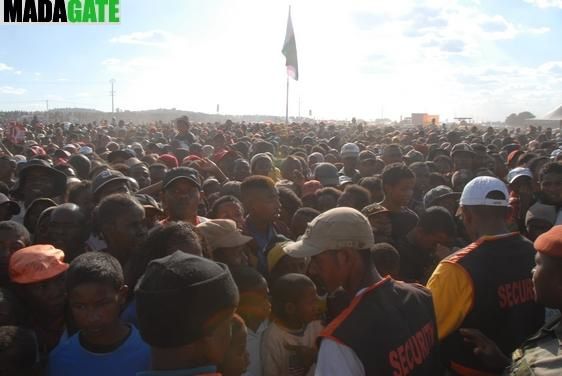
[{"x": 112, "y": 81}]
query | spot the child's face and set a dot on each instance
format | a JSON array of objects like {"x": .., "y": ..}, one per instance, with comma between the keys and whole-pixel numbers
[
  {"x": 265, "y": 205},
  {"x": 231, "y": 210},
  {"x": 402, "y": 192},
  {"x": 95, "y": 308},
  {"x": 308, "y": 308}
]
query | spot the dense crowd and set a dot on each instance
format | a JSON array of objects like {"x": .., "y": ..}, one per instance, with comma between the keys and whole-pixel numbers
[{"x": 273, "y": 249}]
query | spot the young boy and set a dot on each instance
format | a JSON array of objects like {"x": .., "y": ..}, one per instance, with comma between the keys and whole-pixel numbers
[
  {"x": 254, "y": 308},
  {"x": 288, "y": 345},
  {"x": 261, "y": 201},
  {"x": 186, "y": 338},
  {"x": 398, "y": 183},
  {"x": 104, "y": 345}
]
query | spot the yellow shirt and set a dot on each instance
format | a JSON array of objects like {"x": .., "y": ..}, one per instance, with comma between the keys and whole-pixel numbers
[{"x": 453, "y": 296}]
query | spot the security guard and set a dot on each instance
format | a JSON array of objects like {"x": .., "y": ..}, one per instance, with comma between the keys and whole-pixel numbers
[
  {"x": 540, "y": 354},
  {"x": 487, "y": 285}
]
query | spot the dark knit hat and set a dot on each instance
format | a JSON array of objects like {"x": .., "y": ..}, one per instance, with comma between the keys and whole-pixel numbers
[{"x": 183, "y": 297}]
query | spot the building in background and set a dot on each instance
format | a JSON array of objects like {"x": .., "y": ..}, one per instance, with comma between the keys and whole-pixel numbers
[{"x": 425, "y": 119}]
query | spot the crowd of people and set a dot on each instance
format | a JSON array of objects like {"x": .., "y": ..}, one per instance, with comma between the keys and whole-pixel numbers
[{"x": 273, "y": 249}]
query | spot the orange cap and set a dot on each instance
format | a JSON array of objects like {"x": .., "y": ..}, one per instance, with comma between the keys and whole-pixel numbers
[
  {"x": 550, "y": 243},
  {"x": 36, "y": 263}
]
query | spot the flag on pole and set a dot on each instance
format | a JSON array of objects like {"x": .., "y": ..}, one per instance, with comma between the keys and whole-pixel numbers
[{"x": 290, "y": 50}]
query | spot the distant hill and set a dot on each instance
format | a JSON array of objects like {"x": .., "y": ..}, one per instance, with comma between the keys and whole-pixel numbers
[{"x": 84, "y": 115}]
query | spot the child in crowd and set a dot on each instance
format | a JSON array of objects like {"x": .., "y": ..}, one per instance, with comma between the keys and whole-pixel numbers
[
  {"x": 254, "y": 308},
  {"x": 104, "y": 345},
  {"x": 398, "y": 183},
  {"x": 236, "y": 359},
  {"x": 228, "y": 207},
  {"x": 261, "y": 200},
  {"x": 288, "y": 345}
]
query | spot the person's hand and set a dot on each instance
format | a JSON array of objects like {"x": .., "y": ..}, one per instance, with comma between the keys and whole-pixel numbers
[
  {"x": 485, "y": 348},
  {"x": 306, "y": 354}
]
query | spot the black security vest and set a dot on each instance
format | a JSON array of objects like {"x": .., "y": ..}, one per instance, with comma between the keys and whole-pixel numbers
[
  {"x": 391, "y": 328},
  {"x": 503, "y": 306}
]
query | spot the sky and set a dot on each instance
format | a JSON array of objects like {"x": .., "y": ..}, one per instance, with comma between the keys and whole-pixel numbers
[{"x": 357, "y": 58}]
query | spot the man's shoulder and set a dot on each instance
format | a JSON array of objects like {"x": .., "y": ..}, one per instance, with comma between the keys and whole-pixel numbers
[{"x": 540, "y": 352}]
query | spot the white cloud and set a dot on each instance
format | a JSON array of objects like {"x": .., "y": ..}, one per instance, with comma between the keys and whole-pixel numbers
[
  {"x": 355, "y": 58},
  {"x": 546, "y": 3},
  {"x": 11, "y": 90},
  {"x": 155, "y": 38},
  {"x": 5, "y": 67}
]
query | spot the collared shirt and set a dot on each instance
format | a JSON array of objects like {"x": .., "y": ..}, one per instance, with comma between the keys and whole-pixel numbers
[
  {"x": 253, "y": 346},
  {"x": 262, "y": 240}
]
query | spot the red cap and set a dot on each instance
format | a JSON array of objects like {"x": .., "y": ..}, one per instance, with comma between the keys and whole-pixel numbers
[
  {"x": 36, "y": 263},
  {"x": 191, "y": 158},
  {"x": 550, "y": 243},
  {"x": 169, "y": 160},
  {"x": 310, "y": 187}
]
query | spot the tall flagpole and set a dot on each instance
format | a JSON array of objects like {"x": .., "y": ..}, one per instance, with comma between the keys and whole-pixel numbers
[
  {"x": 287, "y": 103},
  {"x": 291, "y": 62}
]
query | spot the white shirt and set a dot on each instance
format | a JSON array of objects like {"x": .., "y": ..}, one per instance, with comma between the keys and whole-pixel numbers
[
  {"x": 337, "y": 359},
  {"x": 253, "y": 347}
]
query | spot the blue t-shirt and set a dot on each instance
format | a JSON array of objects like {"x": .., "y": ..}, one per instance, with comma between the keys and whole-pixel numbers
[{"x": 70, "y": 358}]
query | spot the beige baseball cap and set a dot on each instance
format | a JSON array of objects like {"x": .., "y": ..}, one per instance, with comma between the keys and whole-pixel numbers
[
  {"x": 334, "y": 229},
  {"x": 222, "y": 233}
]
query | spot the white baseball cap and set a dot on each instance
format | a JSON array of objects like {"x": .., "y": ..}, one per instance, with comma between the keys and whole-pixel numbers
[
  {"x": 518, "y": 172},
  {"x": 476, "y": 192},
  {"x": 349, "y": 150},
  {"x": 334, "y": 229}
]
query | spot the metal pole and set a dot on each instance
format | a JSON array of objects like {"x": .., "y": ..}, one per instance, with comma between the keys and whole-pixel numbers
[
  {"x": 112, "y": 94},
  {"x": 287, "y": 103}
]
